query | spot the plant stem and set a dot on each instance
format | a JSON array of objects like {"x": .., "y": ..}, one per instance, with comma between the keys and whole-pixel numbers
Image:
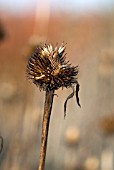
[
  {"x": 1, "y": 145},
  {"x": 45, "y": 127}
]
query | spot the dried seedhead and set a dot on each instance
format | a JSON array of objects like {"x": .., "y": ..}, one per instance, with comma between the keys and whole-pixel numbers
[{"x": 49, "y": 70}]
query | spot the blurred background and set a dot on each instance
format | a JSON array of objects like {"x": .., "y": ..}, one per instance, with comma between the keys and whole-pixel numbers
[{"x": 85, "y": 139}]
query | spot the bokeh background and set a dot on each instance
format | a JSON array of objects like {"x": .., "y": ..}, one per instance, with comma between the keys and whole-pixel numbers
[{"x": 84, "y": 140}]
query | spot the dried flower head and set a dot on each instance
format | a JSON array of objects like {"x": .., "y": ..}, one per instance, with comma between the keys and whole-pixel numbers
[{"x": 49, "y": 70}]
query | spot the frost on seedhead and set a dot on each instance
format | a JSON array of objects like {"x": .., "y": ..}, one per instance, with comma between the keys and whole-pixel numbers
[{"x": 49, "y": 70}]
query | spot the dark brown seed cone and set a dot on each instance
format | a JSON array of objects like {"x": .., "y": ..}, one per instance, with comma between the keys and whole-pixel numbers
[{"x": 49, "y": 70}]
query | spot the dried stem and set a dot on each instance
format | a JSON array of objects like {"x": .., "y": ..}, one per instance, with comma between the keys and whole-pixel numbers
[
  {"x": 1, "y": 145},
  {"x": 45, "y": 127}
]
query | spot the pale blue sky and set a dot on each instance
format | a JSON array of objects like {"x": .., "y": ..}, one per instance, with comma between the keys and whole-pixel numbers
[{"x": 71, "y": 5}]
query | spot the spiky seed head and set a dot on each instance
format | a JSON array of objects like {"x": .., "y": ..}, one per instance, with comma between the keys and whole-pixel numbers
[{"x": 49, "y": 70}]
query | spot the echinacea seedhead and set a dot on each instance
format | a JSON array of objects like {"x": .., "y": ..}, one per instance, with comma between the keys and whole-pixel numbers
[{"x": 49, "y": 70}]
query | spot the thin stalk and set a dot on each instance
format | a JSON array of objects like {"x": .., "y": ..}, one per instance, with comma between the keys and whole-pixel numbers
[
  {"x": 1, "y": 145},
  {"x": 45, "y": 127}
]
